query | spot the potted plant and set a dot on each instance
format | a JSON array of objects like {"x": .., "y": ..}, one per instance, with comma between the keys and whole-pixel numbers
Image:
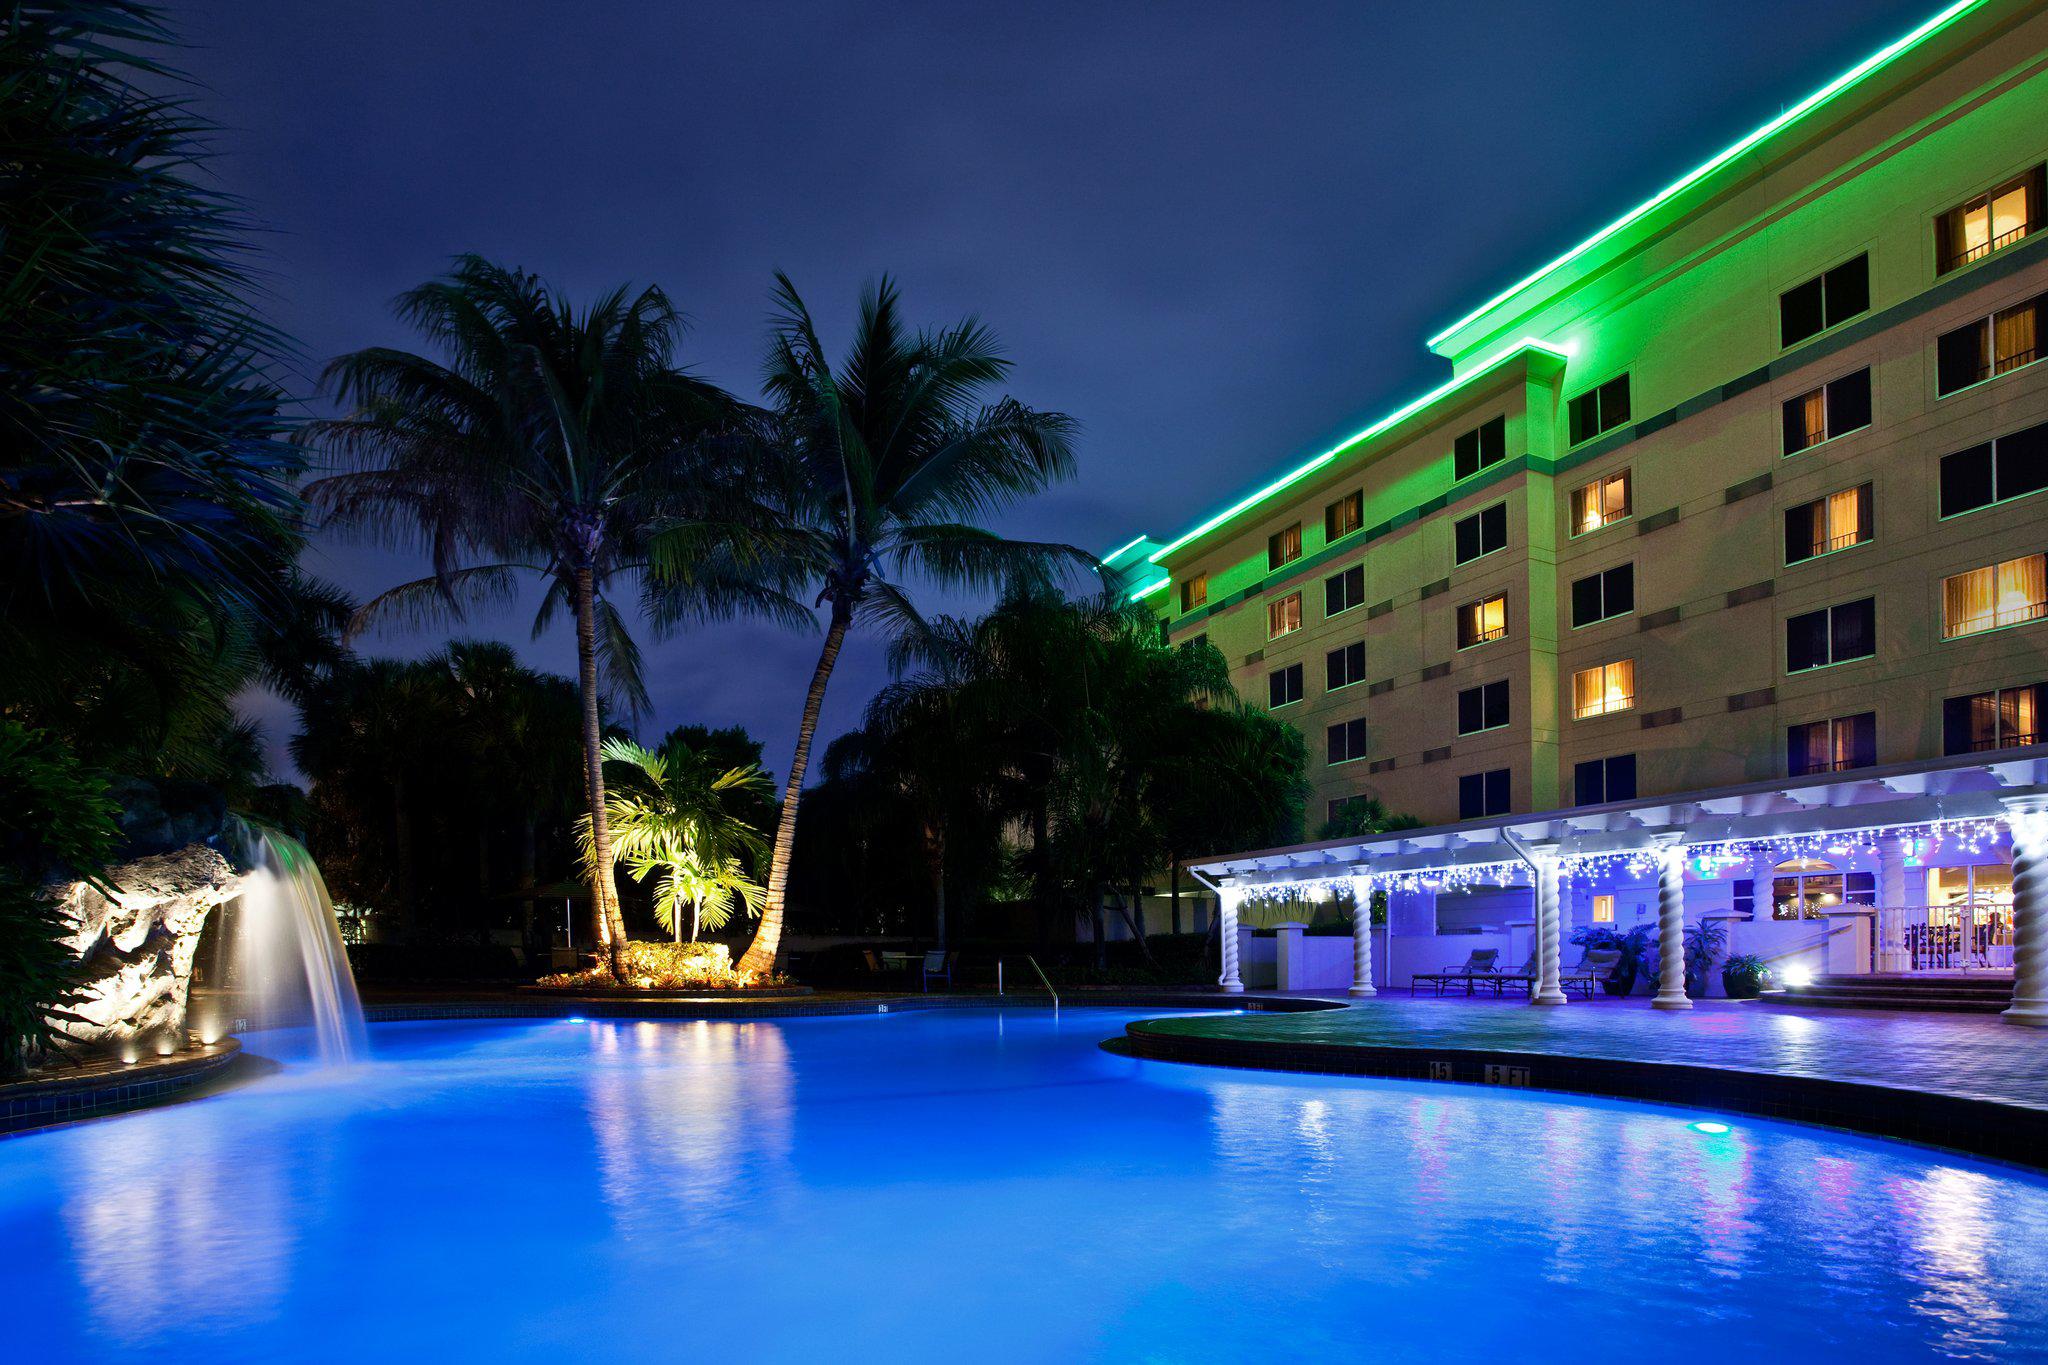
[
  {"x": 1744, "y": 975},
  {"x": 1704, "y": 942}
]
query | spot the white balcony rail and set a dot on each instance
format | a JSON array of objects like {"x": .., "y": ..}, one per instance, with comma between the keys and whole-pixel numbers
[{"x": 1963, "y": 936}]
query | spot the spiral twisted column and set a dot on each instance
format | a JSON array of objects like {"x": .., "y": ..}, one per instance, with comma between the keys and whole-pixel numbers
[
  {"x": 2027, "y": 820},
  {"x": 1227, "y": 900},
  {"x": 1361, "y": 937},
  {"x": 1549, "y": 928},
  {"x": 1671, "y": 928}
]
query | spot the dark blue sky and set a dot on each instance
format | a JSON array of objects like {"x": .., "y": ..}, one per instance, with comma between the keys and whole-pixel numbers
[{"x": 1216, "y": 234}]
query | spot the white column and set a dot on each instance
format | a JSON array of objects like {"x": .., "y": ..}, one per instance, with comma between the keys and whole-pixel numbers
[
  {"x": 1227, "y": 900},
  {"x": 1548, "y": 923},
  {"x": 2027, "y": 820},
  {"x": 1671, "y": 927},
  {"x": 1289, "y": 971},
  {"x": 1361, "y": 937}
]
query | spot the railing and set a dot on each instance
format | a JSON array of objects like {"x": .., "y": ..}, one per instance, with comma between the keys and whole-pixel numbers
[
  {"x": 1968, "y": 935},
  {"x": 1983, "y": 249},
  {"x": 1043, "y": 980}
]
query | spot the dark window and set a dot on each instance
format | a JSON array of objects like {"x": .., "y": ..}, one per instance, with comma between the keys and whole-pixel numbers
[
  {"x": 1829, "y": 746},
  {"x": 1344, "y": 516},
  {"x": 1343, "y": 667},
  {"x": 1343, "y": 591},
  {"x": 1283, "y": 685},
  {"x": 1483, "y": 708},
  {"x": 1742, "y": 895},
  {"x": 1831, "y": 635},
  {"x": 1824, "y": 301},
  {"x": 1482, "y": 533},
  {"x": 1829, "y": 411},
  {"x": 1834, "y": 522},
  {"x": 1195, "y": 642},
  {"x": 1283, "y": 547},
  {"x": 1977, "y": 351},
  {"x": 1481, "y": 621},
  {"x": 1483, "y": 794},
  {"x": 1599, "y": 596},
  {"x": 1600, "y": 780},
  {"x": 1599, "y": 410},
  {"x": 1347, "y": 741},
  {"x": 1979, "y": 226},
  {"x": 1480, "y": 447},
  {"x": 2005, "y": 719},
  {"x": 2009, "y": 467}
]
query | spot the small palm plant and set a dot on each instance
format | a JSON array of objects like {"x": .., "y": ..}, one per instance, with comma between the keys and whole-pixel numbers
[{"x": 672, "y": 816}]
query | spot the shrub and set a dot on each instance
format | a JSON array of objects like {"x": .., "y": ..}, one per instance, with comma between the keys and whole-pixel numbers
[
  {"x": 55, "y": 821},
  {"x": 667, "y": 967}
]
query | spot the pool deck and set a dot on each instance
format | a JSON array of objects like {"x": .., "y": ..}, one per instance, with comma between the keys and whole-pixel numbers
[{"x": 1972, "y": 1083}]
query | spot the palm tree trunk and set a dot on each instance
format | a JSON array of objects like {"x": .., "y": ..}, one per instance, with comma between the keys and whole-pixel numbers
[
  {"x": 760, "y": 954},
  {"x": 1174, "y": 899},
  {"x": 937, "y": 846},
  {"x": 603, "y": 888},
  {"x": 1095, "y": 894}
]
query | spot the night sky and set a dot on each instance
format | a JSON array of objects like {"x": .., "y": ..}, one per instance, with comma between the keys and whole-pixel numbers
[{"x": 1215, "y": 234}]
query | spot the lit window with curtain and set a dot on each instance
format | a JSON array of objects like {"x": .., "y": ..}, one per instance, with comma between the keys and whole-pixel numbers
[
  {"x": 1976, "y": 228},
  {"x": 2005, "y": 719},
  {"x": 1604, "y": 690},
  {"x": 1600, "y": 503},
  {"x": 2010, "y": 593},
  {"x": 1284, "y": 616},
  {"x": 1834, "y": 409},
  {"x": 1484, "y": 620},
  {"x": 1830, "y": 746},
  {"x": 2007, "y": 340},
  {"x": 1835, "y": 522}
]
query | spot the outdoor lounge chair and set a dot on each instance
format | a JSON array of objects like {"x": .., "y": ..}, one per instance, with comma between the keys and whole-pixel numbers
[
  {"x": 938, "y": 963},
  {"x": 1595, "y": 966},
  {"x": 1525, "y": 977},
  {"x": 1473, "y": 968}
]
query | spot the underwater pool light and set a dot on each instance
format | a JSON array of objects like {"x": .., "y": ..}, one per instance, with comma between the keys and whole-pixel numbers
[
  {"x": 1708, "y": 1126},
  {"x": 576, "y": 1019}
]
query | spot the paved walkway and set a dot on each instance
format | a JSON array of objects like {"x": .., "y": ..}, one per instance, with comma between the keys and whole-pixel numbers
[{"x": 1975, "y": 1056}]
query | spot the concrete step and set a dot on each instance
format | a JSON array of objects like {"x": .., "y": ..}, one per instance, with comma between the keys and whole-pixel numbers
[{"x": 1934, "y": 994}]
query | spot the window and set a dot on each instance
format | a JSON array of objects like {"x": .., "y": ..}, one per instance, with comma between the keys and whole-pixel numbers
[
  {"x": 1347, "y": 741},
  {"x": 1344, "y": 667},
  {"x": 1599, "y": 410},
  {"x": 1482, "y": 533},
  {"x": 2005, "y": 719},
  {"x": 1343, "y": 591},
  {"x": 1980, "y": 226},
  {"x": 2010, "y": 593},
  {"x": 1283, "y": 686},
  {"x": 1831, "y": 635},
  {"x": 1600, "y": 780},
  {"x": 1824, "y": 301},
  {"x": 1284, "y": 616},
  {"x": 1194, "y": 592},
  {"x": 1604, "y": 595},
  {"x": 1283, "y": 547},
  {"x": 1484, "y": 445},
  {"x": 1831, "y": 746},
  {"x": 1483, "y": 708},
  {"x": 1603, "y": 690},
  {"x": 1486, "y": 619},
  {"x": 1603, "y": 908},
  {"x": 1834, "y": 409},
  {"x": 1483, "y": 794},
  {"x": 1997, "y": 471},
  {"x": 1807, "y": 888},
  {"x": 1988, "y": 347},
  {"x": 1827, "y": 524},
  {"x": 1600, "y": 503},
  {"x": 1195, "y": 641},
  {"x": 1344, "y": 516}
]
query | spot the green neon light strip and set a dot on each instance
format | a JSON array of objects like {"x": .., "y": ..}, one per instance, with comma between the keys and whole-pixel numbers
[
  {"x": 1406, "y": 410},
  {"x": 1120, "y": 551},
  {"x": 1869, "y": 65},
  {"x": 1154, "y": 586}
]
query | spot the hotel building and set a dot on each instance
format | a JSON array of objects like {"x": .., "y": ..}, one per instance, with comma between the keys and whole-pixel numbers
[{"x": 1723, "y": 524}]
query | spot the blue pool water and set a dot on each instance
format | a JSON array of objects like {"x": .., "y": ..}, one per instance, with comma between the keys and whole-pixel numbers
[{"x": 974, "y": 1185}]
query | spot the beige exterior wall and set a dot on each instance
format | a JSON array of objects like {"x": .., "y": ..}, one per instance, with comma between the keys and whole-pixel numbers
[{"x": 1685, "y": 307}]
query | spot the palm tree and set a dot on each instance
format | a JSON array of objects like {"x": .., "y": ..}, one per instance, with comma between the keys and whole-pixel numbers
[
  {"x": 676, "y": 815},
  {"x": 551, "y": 442},
  {"x": 877, "y": 471}
]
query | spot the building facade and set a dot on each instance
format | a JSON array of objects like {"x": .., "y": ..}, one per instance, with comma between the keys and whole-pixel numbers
[{"x": 1739, "y": 490}]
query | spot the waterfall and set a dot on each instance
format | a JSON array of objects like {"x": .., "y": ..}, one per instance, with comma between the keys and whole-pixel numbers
[{"x": 290, "y": 945}]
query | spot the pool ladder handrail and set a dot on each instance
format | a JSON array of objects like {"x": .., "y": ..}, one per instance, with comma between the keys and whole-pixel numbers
[{"x": 1042, "y": 978}]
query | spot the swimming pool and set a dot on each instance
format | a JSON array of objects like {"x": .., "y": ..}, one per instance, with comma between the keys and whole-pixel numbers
[{"x": 977, "y": 1184}]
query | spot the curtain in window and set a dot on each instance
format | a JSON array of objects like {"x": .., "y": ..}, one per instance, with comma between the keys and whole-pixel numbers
[
  {"x": 1845, "y": 518},
  {"x": 2022, "y": 589},
  {"x": 1969, "y": 603},
  {"x": 2013, "y": 338},
  {"x": 2019, "y": 715}
]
